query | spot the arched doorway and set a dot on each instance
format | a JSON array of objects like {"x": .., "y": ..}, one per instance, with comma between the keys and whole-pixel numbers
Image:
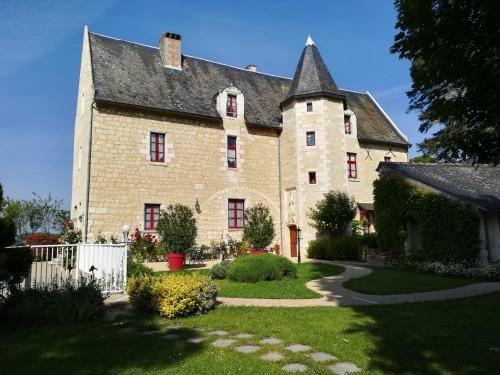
[{"x": 293, "y": 240}]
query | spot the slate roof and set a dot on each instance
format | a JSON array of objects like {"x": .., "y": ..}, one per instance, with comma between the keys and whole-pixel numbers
[
  {"x": 312, "y": 77},
  {"x": 132, "y": 74},
  {"x": 475, "y": 184}
]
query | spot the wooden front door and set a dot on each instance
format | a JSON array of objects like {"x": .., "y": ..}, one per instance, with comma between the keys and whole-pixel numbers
[{"x": 293, "y": 241}]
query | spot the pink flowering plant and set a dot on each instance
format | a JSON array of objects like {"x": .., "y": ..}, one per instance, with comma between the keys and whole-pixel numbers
[{"x": 143, "y": 247}]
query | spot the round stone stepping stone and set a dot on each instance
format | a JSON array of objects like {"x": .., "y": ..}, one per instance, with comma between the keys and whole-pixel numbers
[
  {"x": 150, "y": 332},
  {"x": 218, "y": 333},
  {"x": 196, "y": 329},
  {"x": 244, "y": 335},
  {"x": 343, "y": 368},
  {"x": 176, "y": 326},
  {"x": 298, "y": 348},
  {"x": 127, "y": 329},
  {"x": 295, "y": 367},
  {"x": 170, "y": 336},
  {"x": 270, "y": 340},
  {"x": 272, "y": 356},
  {"x": 195, "y": 340},
  {"x": 222, "y": 343},
  {"x": 247, "y": 348},
  {"x": 322, "y": 357}
]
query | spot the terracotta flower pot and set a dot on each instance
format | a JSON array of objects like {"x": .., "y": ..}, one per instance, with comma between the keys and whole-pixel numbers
[
  {"x": 176, "y": 261},
  {"x": 258, "y": 252}
]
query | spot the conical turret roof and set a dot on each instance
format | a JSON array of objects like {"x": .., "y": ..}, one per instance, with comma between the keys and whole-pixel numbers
[{"x": 312, "y": 77}]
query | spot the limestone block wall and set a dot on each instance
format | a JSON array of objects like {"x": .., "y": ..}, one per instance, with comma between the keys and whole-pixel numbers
[
  {"x": 123, "y": 179},
  {"x": 81, "y": 135}
]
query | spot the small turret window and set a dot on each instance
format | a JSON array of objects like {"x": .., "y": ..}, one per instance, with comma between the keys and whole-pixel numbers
[
  {"x": 312, "y": 178},
  {"x": 231, "y": 106},
  {"x": 309, "y": 107},
  {"x": 347, "y": 124},
  {"x": 311, "y": 138}
]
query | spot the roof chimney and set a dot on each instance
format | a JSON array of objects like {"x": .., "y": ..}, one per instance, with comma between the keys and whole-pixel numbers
[
  {"x": 251, "y": 67},
  {"x": 170, "y": 50}
]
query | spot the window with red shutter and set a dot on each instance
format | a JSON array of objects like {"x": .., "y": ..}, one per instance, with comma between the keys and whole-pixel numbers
[
  {"x": 236, "y": 213},
  {"x": 231, "y": 106},
  {"x": 157, "y": 147},
  {"x": 231, "y": 151},
  {"x": 151, "y": 216},
  {"x": 352, "y": 168}
]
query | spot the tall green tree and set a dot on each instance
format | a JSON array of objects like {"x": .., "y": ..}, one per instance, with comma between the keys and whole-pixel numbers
[
  {"x": 454, "y": 50},
  {"x": 7, "y": 226}
]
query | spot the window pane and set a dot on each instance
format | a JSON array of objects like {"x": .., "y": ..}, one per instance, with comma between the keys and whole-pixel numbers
[
  {"x": 231, "y": 141},
  {"x": 231, "y": 154},
  {"x": 239, "y": 222},
  {"x": 240, "y": 204},
  {"x": 311, "y": 138},
  {"x": 231, "y": 163}
]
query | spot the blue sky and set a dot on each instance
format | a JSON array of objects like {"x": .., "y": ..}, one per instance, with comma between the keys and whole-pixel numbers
[{"x": 41, "y": 49}]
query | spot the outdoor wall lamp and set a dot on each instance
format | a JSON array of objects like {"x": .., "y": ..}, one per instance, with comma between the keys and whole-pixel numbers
[
  {"x": 125, "y": 230},
  {"x": 197, "y": 206},
  {"x": 80, "y": 218}
]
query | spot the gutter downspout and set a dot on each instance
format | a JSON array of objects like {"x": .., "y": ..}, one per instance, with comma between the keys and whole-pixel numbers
[
  {"x": 87, "y": 198},
  {"x": 280, "y": 193}
]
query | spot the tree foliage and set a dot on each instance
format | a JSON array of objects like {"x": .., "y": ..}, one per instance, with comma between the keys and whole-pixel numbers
[
  {"x": 7, "y": 226},
  {"x": 177, "y": 228},
  {"x": 454, "y": 50},
  {"x": 332, "y": 214},
  {"x": 259, "y": 227}
]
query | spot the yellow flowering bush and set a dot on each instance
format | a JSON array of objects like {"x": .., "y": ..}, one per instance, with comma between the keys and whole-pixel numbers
[{"x": 173, "y": 294}]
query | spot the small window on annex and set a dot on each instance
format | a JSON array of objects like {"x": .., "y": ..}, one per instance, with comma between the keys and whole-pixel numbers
[
  {"x": 312, "y": 178},
  {"x": 311, "y": 138}
]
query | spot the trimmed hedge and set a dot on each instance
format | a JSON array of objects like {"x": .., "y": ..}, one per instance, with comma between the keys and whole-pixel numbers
[
  {"x": 172, "y": 294},
  {"x": 448, "y": 229},
  {"x": 261, "y": 267},
  {"x": 337, "y": 248},
  {"x": 220, "y": 270}
]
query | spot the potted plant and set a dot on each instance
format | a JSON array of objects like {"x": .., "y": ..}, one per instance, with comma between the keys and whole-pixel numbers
[
  {"x": 259, "y": 228},
  {"x": 177, "y": 230}
]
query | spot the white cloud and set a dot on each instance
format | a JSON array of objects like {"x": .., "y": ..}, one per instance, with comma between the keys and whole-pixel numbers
[{"x": 393, "y": 90}]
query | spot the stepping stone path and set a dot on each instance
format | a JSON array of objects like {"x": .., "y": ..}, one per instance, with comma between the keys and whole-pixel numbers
[
  {"x": 176, "y": 327},
  {"x": 270, "y": 340},
  {"x": 150, "y": 332},
  {"x": 244, "y": 336},
  {"x": 195, "y": 340},
  {"x": 247, "y": 348},
  {"x": 198, "y": 330},
  {"x": 272, "y": 356},
  {"x": 218, "y": 333},
  {"x": 344, "y": 368},
  {"x": 295, "y": 367},
  {"x": 322, "y": 357},
  {"x": 171, "y": 336},
  {"x": 296, "y": 348},
  {"x": 222, "y": 343}
]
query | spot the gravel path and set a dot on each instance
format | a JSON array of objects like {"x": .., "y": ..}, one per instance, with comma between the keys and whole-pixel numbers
[{"x": 334, "y": 294}]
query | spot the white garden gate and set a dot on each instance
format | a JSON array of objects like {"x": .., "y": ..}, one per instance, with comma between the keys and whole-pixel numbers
[{"x": 106, "y": 263}]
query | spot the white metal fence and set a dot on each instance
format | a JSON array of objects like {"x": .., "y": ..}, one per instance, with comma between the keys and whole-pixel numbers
[{"x": 107, "y": 263}]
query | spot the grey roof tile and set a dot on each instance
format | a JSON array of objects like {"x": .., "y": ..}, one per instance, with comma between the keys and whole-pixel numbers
[
  {"x": 132, "y": 74},
  {"x": 475, "y": 184}
]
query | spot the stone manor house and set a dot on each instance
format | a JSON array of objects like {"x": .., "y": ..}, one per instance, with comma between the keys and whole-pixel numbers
[{"x": 156, "y": 127}]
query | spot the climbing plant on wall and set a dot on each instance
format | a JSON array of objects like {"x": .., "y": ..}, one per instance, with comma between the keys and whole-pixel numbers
[{"x": 448, "y": 229}]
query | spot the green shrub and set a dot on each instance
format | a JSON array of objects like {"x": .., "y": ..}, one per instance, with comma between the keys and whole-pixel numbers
[
  {"x": 332, "y": 214},
  {"x": 259, "y": 227},
  {"x": 220, "y": 270},
  {"x": 177, "y": 228},
  {"x": 370, "y": 241},
  {"x": 341, "y": 248},
  {"x": 136, "y": 269},
  {"x": 15, "y": 265},
  {"x": 172, "y": 294},
  {"x": 56, "y": 303},
  {"x": 261, "y": 267},
  {"x": 448, "y": 229}
]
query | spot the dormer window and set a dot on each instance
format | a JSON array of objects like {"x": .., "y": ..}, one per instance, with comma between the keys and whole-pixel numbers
[
  {"x": 347, "y": 124},
  {"x": 231, "y": 107}
]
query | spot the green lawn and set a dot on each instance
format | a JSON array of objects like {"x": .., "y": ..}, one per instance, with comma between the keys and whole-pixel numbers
[
  {"x": 448, "y": 337},
  {"x": 288, "y": 288},
  {"x": 396, "y": 281}
]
